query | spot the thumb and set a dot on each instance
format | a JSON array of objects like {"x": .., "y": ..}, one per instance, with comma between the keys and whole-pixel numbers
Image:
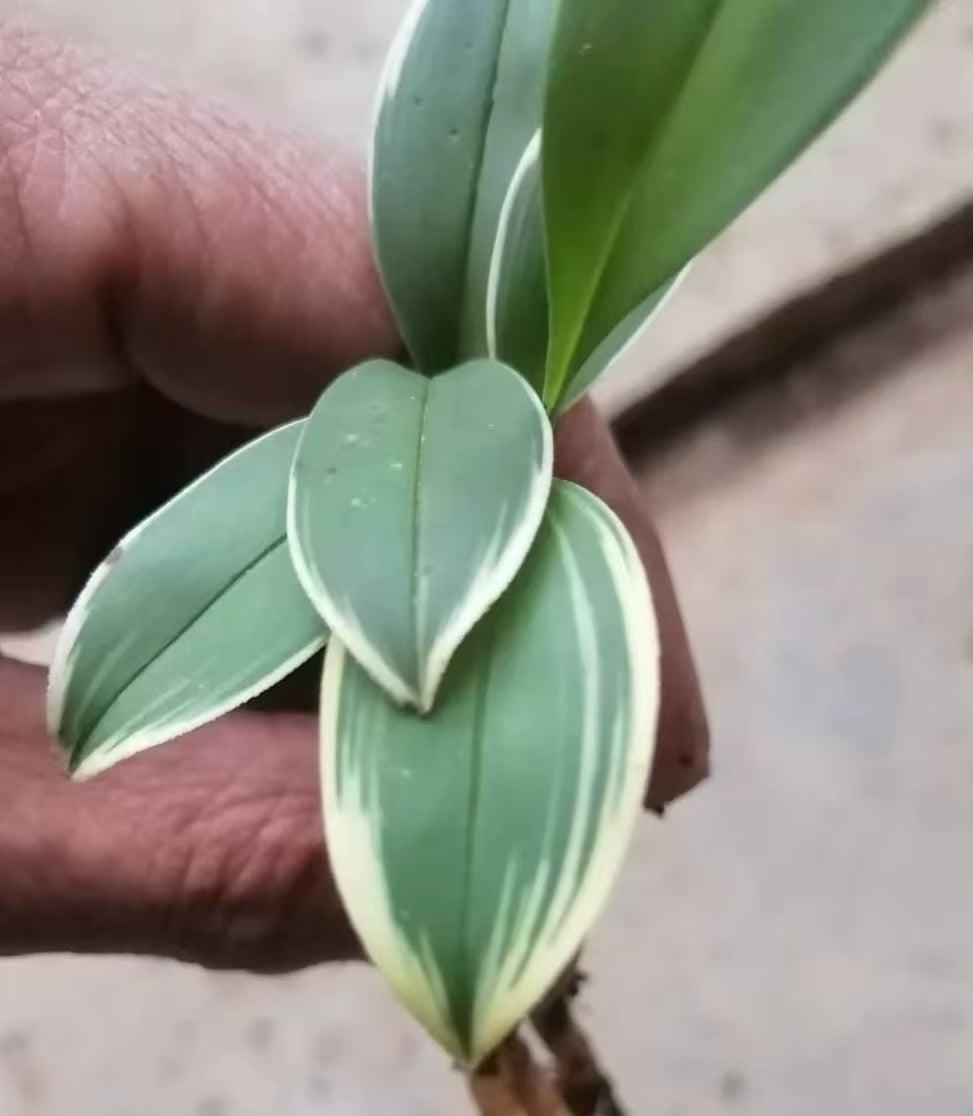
[{"x": 152, "y": 235}]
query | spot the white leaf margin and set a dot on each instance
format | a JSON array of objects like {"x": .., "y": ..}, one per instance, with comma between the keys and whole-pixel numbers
[
  {"x": 113, "y": 751},
  {"x": 528, "y": 161},
  {"x": 511, "y": 999},
  {"x": 66, "y": 650},
  {"x": 352, "y": 836},
  {"x": 604, "y": 358},
  {"x": 353, "y": 827},
  {"x": 388, "y": 85}
]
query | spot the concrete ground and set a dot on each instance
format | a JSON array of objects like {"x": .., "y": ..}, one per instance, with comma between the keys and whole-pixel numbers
[{"x": 793, "y": 940}]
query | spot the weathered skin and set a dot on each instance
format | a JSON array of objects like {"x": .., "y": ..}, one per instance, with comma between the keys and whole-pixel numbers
[{"x": 169, "y": 279}]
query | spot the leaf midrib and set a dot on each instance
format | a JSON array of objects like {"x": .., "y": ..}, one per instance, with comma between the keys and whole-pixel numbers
[
  {"x": 474, "y": 203},
  {"x": 417, "y": 502},
  {"x": 825, "y": 114},
  {"x": 624, "y": 208},
  {"x": 474, "y": 802},
  {"x": 78, "y": 751}
]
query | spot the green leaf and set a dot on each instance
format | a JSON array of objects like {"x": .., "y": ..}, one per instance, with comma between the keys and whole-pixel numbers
[
  {"x": 461, "y": 96},
  {"x": 517, "y": 303},
  {"x": 665, "y": 118},
  {"x": 475, "y": 847},
  {"x": 627, "y": 333},
  {"x": 517, "y": 331},
  {"x": 413, "y": 503},
  {"x": 193, "y": 613}
]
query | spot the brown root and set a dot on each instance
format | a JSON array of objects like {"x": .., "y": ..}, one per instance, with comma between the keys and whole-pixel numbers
[
  {"x": 586, "y": 1088},
  {"x": 511, "y": 1083}
]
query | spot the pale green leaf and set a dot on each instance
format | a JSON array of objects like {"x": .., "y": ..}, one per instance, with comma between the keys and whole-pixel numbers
[
  {"x": 195, "y": 611},
  {"x": 461, "y": 96},
  {"x": 516, "y": 310},
  {"x": 664, "y": 119},
  {"x": 475, "y": 847},
  {"x": 413, "y": 503}
]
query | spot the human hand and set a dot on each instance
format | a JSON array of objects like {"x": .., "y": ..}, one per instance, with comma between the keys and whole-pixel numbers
[{"x": 171, "y": 280}]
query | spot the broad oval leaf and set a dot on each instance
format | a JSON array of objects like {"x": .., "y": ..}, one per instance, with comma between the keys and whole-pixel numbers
[
  {"x": 194, "y": 612},
  {"x": 475, "y": 847},
  {"x": 461, "y": 95},
  {"x": 413, "y": 503},
  {"x": 517, "y": 302},
  {"x": 664, "y": 119}
]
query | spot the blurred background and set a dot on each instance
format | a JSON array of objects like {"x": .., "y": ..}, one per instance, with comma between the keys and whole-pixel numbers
[{"x": 794, "y": 939}]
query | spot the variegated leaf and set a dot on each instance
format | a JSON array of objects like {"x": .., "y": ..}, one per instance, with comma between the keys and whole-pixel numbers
[
  {"x": 517, "y": 303},
  {"x": 413, "y": 503},
  {"x": 461, "y": 95},
  {"x": 516, "y": 306},
  {"x": 195, "y": 611},
  {"x": 664, "y": 119},
  {"x": 475, "y": 847}
]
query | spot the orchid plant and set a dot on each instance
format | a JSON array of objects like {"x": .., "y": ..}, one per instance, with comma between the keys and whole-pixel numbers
[{"x": 542, "y": 172}]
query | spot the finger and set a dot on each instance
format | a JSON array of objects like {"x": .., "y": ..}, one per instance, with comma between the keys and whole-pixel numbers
[
  {"x": 72, "y": 515},
  {"x": 209, "y": 849},
  {"x": 586, "y": 454},
  {"x": 75, "y": 474},
  {"x": 68, "y": 475},
  {"x": 154, "y": 235}
]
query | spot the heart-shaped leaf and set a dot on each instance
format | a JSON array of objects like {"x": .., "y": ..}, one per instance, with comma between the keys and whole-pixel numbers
[
  {"x": 461, "y": 95},
  {"x": 517, "y": 303},
  {"x": 664, "y": 119},
  {"x": 194, "y": 612},
  {"x": 413, "y": 503},
  {"x": 474, "y": 847}
]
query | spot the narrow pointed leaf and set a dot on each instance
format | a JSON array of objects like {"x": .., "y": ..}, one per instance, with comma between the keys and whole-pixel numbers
[
  {"x": 622, "y": 338},
  {"x": 665, "y": 118},
  {"x": 461, "y": 95},
  {"x": 413, "y": 503},
  {"x": 475, "y": 847},
  {"x": 194, "y": 612},
  {"x": 517, "y": 303}
]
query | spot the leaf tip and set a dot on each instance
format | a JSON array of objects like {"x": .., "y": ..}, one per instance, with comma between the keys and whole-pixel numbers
[
  {"x": 85, "y": 761},
  {"x": 82, "y": 772},
  {"x": 85, "y": 764}
]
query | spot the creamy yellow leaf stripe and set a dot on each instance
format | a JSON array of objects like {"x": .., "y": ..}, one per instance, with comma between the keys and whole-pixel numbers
[
  {"x": 475, "y": 847},
  {"x": 194, "y": 612}
]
